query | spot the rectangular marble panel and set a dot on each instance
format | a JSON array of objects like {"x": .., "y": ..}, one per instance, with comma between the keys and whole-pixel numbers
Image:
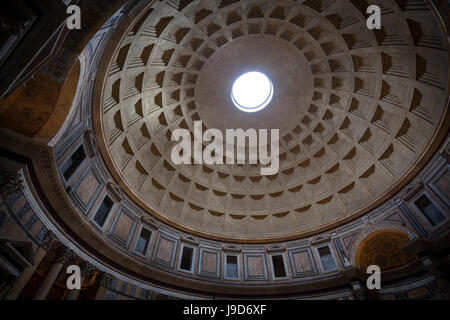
[
  {"x": 302, "y": 262},
  {"x": 165, "y": 249},
  {"x": 123, "y": 227},
  {"x": 255, "y": 266},
  {"x": 87, "y": 189},
  {"x": 209, "y": 263}
]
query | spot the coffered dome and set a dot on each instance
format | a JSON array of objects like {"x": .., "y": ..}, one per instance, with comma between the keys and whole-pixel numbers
[
  {"x": 90, "y": 175},
  {"x": 356, "y": 108}
]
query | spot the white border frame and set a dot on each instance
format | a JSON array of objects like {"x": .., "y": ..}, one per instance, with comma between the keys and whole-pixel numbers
[
  {"x": 225, "y": 269},
  {"x": 283, "y": 255},
  {"x": 150, "y": 240},
  {"x": 316, "y": 249},
  {"x": 422, "y": 216},
  {"x": 110, "y": 213}
]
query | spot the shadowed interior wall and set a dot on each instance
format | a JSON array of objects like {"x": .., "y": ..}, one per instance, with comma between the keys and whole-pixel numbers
[{"x": 41, "y": 107}]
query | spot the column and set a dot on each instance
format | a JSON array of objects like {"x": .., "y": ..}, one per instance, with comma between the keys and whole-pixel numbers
[
  {"x": 86, "y": 270},
  {"x": 63, "y": 254},
  {"x": 47, "y": 243}
]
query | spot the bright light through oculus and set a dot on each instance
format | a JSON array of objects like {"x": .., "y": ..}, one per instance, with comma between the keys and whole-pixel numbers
[{"x": 252, "y": 92}]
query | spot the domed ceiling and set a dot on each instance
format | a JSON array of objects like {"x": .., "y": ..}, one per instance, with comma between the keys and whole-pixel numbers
[{"x": 356, "y": 108}]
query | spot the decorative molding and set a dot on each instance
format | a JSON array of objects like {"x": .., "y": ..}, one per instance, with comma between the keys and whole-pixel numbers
[
  {"x": 150, "y": 221},
  {"x": 319, "y": 240},
  {"x": 274, "y": 249},
  {"x": 87, "y": 269},
  {"x": 49, "y": 240},
  {"x": 64, "y": 254},
  {"x": 115, "y": 191},
  {"x": 91, "y": 144},
  {"x": 232, "y": 248},
  {"x": 396, "y": 217},
  {"x": 190, "y": 240},
  {"x": 412, "y": 190},
  {"x": 106, "y": 279}
]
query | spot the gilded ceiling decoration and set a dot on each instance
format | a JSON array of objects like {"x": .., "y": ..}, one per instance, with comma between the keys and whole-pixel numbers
[{"x": 383, "y": 249}]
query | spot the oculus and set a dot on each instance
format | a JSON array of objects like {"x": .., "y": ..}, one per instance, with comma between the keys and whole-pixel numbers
[{"x": 252, "y": 92}]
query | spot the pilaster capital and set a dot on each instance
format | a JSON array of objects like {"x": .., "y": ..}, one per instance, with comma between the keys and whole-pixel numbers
[
  {"x": 64, "y": 254},
  {"x": 87, "y": 269},
  {"x": 49, "y": 240},
  {"x": 106, "y": 279}
]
